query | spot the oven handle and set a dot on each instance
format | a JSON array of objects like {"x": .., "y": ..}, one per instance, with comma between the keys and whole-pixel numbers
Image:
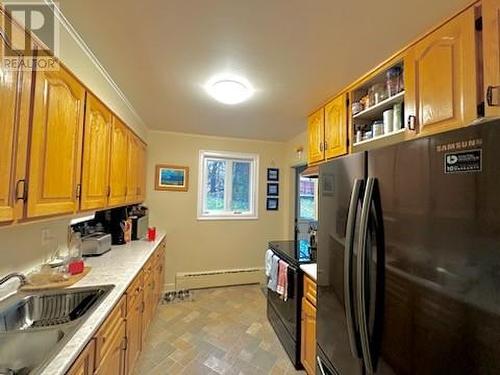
[{"x": 348, "y": 266}]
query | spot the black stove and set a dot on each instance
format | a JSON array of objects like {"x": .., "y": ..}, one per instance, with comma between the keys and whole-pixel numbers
[
  {"x": 294, "y": 252},
  {"x": 284, "y": 316}
]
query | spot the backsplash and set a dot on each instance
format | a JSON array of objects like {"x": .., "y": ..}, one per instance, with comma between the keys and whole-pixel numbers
[{"x": 21, "y": 246}]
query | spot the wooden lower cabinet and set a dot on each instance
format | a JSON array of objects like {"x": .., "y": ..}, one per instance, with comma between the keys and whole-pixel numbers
[
  {"x": 84, "y": 365},
  {"x": 308, "y": 329},
  {"x": 135, "y": 310},
  {"x": 115, "y": 348}
]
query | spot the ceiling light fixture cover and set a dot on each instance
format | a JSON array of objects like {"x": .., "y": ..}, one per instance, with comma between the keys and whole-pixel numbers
[{"x": 229, "y": 89}]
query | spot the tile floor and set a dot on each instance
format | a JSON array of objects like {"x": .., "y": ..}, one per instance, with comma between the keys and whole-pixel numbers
[{"x": 221, "y": 331}]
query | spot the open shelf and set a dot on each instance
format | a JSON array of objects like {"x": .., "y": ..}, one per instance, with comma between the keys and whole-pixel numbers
[
  {"x": 375, "y": 111},
  {"x": 382, "y": 140}
]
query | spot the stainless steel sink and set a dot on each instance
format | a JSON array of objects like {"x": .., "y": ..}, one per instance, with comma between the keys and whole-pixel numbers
[{"x": 35, "y": 326}]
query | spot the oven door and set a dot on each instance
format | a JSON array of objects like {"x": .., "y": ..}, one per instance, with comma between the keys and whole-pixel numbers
[{"x": 288, "y": 310}]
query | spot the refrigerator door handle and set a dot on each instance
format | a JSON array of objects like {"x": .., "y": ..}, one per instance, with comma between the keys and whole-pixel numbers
[
  {"x": 348, "y": 266},
  {"x": 320, "y": 366},
  {"x": 361, "y": 277}
]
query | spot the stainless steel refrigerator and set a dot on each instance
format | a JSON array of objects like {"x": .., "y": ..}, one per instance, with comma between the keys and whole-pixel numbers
[{"x": 409, "y": 257}]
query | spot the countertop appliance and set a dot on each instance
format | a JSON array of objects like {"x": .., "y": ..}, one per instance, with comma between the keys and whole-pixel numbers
[
  {"x": 96, "y": 244},
  {"x": 140, "y": 226},
  {"x": 409, "y": 257},
  {"x": 284, "y": 316}
]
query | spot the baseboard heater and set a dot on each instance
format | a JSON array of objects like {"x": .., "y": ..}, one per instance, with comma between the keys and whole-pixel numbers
[{"x": 210, "y": 279}]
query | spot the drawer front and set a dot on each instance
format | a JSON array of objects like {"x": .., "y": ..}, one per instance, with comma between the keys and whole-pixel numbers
[
  {"x": 134, "y": 291},
  {"x": 107, "y": 330},
  {"x": 310, "y": 290}
]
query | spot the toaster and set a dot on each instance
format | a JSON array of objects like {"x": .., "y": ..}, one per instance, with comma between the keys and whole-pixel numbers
[{"x": 96, "y": 244}]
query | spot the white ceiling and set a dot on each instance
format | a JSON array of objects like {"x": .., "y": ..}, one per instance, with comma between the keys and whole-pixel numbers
[{"x": 296, "y": 53}]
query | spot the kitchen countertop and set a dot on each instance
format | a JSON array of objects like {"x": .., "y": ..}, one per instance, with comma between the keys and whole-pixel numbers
[
  {"x": 294, "y": 252},
  {"x": 311, "y": 270},
  {"x": 118, "y": 267}
]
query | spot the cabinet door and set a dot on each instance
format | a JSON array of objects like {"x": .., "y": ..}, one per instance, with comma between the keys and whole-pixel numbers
[
  {"x": 118, "y": 163},
  {"x": 308, "y": 337},
  {"x": 440, "y": 77},
  {"x": 14, "y": 104},
  {"x": 113, "y": 363},
  {"x": 96, "y": 152},
  {"x": 491, "y": 58},
  {"x": 132, "y": 168},
  {"x": 84, "y": 364},
  {"x": 141, "y": 174},
  {"x": 336, "y": 127},
  {"x": 149, "y": 302},
  {"x": 56, "y": 143},
  {"x": 134, "y": 332},
  {"x": 316, "y": 130}
]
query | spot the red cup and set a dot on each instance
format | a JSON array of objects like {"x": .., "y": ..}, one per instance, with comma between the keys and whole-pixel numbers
[{"x": 151, "y": 233}]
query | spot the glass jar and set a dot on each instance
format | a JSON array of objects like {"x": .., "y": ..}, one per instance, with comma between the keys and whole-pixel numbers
[{"x": 394, "y": 81}]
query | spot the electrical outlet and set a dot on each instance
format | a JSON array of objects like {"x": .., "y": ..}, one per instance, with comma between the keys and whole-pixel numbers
[{"x": 46, "y": 236}]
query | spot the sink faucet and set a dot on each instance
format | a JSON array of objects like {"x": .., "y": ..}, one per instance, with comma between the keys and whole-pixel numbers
[{"x": 20, "y": 276}]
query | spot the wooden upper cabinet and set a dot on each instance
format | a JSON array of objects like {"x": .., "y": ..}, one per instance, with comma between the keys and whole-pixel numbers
[
  {"x": 441, "y": 78},
  {"x": 14, "y": 113},
  {"x": 132, "y": 168},
  {"x": 96, "y": 153},
  {"x": 141, "y": 172},
  {"x": 118, "y": 163},
  {"x": 336, "y": 127},
  {"x": 56, "y": 143},
  {"x": 316, "y": 131},
  {"x": 491, "y": 59}
]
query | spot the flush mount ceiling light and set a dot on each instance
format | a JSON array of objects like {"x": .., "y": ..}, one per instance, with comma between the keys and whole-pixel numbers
[{"x": 229, "y": 89}]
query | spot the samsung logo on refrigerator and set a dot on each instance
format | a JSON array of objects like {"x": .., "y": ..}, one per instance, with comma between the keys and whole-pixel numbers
[
  {"x": 460, "y": 145},
  {"x": 463, "y": 162}
]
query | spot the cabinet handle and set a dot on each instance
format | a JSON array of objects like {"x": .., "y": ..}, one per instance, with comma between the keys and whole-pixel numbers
[
  {"x": 326, "y": 145},
  {"x": 489, "y": 96},
  {"x": 321, "y": 146},
  {"x": 78, "y": 190},
  {"x": 412, "y": 121},
  {"x": 108, "y": 194},
  {"x": 24, "y": 196}
]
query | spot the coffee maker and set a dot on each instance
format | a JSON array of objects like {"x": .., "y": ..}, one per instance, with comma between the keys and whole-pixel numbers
[{"x": 113, "y": 221}]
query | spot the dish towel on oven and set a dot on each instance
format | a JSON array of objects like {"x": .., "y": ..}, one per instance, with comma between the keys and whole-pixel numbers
[
  {"x": 282, "y": 288},
  {"x": 268, "y": 261},
  {"x": 273, "y": 276}
]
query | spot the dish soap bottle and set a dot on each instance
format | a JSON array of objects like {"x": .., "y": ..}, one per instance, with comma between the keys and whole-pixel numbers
[{"x": 76, "y": 264}]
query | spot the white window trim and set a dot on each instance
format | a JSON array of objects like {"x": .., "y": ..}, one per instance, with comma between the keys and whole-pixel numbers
[{"x": 254, "y": 179}]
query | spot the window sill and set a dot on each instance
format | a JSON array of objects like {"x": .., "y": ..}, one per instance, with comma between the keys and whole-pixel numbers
[{"x": 212, "y": 218}]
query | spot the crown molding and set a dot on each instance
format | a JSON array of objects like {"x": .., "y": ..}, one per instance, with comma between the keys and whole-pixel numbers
[{"x": 93, "y": 58}]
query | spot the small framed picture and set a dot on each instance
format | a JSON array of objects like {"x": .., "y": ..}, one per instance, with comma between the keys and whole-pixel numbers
[
  {"x": 273, "y": 174},
  {"x": 273, "y": 189},
  {"x": 272, "y": 204},
  {"x": 171, "y": 178}
]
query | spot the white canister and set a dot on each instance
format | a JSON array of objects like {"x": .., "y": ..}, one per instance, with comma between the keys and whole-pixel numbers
[
  {"x": 378, "y": 128},
  {"x": 388, "y": 121},
  {"x": 397, "y": 116}
]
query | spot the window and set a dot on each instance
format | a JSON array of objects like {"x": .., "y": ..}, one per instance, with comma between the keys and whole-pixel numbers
[
  {"x": 227, "y": 187},
  {"x": 308, "y": 202}
]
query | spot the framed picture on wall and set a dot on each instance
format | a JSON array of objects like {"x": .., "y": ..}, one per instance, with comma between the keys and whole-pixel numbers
[
  {"x": 171, "y": 178},
  {"x": 272, "y": 204},
  {"x": 273, "y": 189},
  {"x": 273, "y": 174}
]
